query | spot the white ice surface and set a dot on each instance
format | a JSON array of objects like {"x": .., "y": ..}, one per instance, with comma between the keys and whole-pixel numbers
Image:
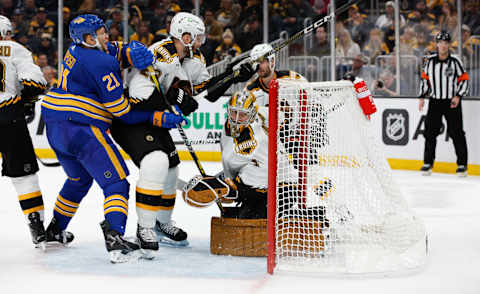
[{"x": 450, "y": 207}]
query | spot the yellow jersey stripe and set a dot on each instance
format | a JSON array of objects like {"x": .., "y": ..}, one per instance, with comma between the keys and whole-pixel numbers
[
  {"x": 65, "y": 208},
  {"x": 34, "y": 209},
  {"x": 62, "y": 212},
  {"x": 149, "y": 192},
  {"x": 66, "y": 108},
  {"x": 169, "y": 196},
  {"x": 111, "y": 154},
  {"x": 68, "y": 202},
  {"x": 118, "y": 209},
  {"x": 116, "y": 197},
  {"x": 148, "y": 207},
  {"x": 70, "y": 102},
  {"x": 114, "y": 103},
  {"x": 29, "y": 195},
  {"x": 73, "y": 96},
  {"x": 115, "y": 203}
]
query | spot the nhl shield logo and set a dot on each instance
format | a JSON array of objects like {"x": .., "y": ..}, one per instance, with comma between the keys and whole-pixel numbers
[{"x": 395, "y": 127}]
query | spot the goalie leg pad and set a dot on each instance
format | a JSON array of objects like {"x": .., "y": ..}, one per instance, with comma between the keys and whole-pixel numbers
[{"x": 238, "y": 237}]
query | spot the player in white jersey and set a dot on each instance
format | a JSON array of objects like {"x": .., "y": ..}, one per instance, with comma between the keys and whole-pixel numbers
[
  {"x": 181, "y": 71},
  {"x": 21, "y": 82},
  {"x": 266, "y": 73}
]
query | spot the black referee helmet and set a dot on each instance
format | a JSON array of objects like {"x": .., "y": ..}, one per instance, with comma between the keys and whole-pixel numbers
[{"x": 443, "y": 36}]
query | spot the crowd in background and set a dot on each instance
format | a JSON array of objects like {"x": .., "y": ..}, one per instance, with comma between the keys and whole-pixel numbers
[{"x": 235, "y": 26}]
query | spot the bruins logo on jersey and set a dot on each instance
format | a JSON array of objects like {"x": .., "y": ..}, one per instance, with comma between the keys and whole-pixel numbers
[{"x": 245, "y": 143}]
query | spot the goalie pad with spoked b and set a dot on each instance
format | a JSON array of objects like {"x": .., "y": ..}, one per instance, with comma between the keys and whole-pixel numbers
[{"x": 204, "y": 191}]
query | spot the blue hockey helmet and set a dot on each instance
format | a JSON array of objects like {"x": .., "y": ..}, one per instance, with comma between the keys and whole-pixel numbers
[{"x": 85, "y": 24}]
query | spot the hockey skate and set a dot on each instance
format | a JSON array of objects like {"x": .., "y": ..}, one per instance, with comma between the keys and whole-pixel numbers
[
  {"x": 169, "y": 234},
  {"x": 148, "y": 241},
  {"x": 462, "y": 171},
  {"x": 119, "y": 249},
  {"x": 54, "y": 234},
  {"x": 426, "y": 169},
  {"x": 37, "y": 230}
]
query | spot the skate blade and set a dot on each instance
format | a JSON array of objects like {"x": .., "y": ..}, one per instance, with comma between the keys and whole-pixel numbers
[
  {"x": 116, "y": 256},
  {"x": 148, "y": 254},
  {"x": 427, "y": 173},
  {"x": 462, "y": 175},
  {"x": 165, "y": 241},
  {"x": 42, "y": 246}
]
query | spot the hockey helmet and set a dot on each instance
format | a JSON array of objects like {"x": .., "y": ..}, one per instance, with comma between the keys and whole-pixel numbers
[
  {"x": 187, "y": 23},
  {"x": 443, "y": 36},
  {"x": 260, "y": 52},
  {"x": 5, "y": 26},
  {"x": 86, "y": 24},
  {"x": 242, "y": 110}
]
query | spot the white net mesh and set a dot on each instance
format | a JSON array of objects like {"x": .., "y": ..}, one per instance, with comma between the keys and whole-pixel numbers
[{"x": 338, "y": 207}]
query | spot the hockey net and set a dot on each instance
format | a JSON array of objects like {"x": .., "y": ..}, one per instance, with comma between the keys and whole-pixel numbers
[{"x": 333, "y": 205}]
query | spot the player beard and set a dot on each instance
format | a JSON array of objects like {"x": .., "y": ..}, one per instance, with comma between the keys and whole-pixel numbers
[{"x": 264, "y": 73}]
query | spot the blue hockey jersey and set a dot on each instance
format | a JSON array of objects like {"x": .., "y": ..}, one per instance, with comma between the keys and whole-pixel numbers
[{"x": 90, "y": 88}]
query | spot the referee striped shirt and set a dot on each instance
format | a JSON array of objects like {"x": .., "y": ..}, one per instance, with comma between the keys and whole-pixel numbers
[{"x": 443, "y": 79}]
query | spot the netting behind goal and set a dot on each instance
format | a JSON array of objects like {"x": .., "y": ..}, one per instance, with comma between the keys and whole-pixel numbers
[{"x": 333, "y": 204}]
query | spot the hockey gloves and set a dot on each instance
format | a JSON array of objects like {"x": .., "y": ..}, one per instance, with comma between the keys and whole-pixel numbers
[
  {"x": 186, "y": 103},
  {"x": 29, "y": 94},
  {"x": 167, "y": 120},
  {"x": 246, "y": 71},
  {"x": 140, "y": 55}
]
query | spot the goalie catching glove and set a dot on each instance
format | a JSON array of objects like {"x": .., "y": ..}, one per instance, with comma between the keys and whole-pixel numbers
[{"x": 204, "y": 191}]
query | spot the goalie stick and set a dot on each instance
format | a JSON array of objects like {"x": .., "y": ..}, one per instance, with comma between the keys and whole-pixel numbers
[
  {"x": 285, "y": 43},
  {"x": 180, "y": 130}
]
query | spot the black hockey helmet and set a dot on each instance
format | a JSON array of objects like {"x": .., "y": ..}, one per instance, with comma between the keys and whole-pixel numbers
[{"x": 443, "y": 36}]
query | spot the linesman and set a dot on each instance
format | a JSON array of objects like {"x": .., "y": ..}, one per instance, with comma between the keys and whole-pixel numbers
[{"x": 445, "y": 82}]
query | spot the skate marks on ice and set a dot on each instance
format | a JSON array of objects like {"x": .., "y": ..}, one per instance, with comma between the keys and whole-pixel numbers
[
  {"x": 195, "y": 261},
  {"x": 440, "y": 194}
]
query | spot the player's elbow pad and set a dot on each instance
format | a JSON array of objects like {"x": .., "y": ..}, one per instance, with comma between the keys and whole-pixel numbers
[{"x": 364, "y": 96}]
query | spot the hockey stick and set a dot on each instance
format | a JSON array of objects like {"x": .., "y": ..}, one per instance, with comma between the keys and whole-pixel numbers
[
  {"x": 285, "y": 43},
  {"x": 180, "y": 130},
  {"x": 49, "y": 164}
]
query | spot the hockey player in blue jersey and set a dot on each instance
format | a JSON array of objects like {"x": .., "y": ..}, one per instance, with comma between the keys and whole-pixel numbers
[{"x": 77, "y": 114}]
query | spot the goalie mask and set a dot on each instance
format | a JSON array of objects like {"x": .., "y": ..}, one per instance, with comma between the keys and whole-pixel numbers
[
  {"x": 259, "y": 51},
  {"x": 242, "y": 110},
  {"x": 187, "y": 23}
]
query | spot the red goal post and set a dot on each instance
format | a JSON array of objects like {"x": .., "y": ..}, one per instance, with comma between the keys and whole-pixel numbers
[{"x": 333, "y": 205}]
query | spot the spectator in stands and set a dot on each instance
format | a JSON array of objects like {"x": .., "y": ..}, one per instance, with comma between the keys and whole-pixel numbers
[
  {"x": 50, "y": 75},
  {"x": 297, "y": 11},
  {"x": 21, "y": 26},
  {"x": 420, "y": 14},
  {"x": 30, "y": 9},
  {"x": 114, "y": 33},
  {"x": 321, "y": 46},
  {"x": 471, "y": 16},
  {"x": 163, "y": 33},
  {"x": 227, "y": 48},
  {"x": 375, "y": 45},
  {"x": 7, "y": 7},
  {"x": 386, "y": 20},
  {"x": 213, "y": 28},
  {"x": 408, "y": 41},
  {"x": 423, "y": 44},
  {"x": 470, "y": 47},
  {"x": 228, "y": 14},
  {"x": 253, "y": 8},
  {"x": 117, "y": 18},
  {"x": 251, "y": 34},
  {"x": 41, "y": 24},
  {"x": 42, "y": 60},
  {"x": 358, "y": 25},
  {"x": 346, "y": 49},
  {"x": 359, "y": 69},
  {"x": 66, "y": 22},
  {"x": 385, "y": 85},
  {"x": 87, "y": 6},
  {"x": 452, "y": 28},
  {"x": 172, "y": 6},
  {"x": 158, "y": 19},
  {"x": 47, "y": 47},
  {"x": 142, "y": 34},
  {"x": 447, "y": 11},
  {"x": 320, "y": 7}
]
